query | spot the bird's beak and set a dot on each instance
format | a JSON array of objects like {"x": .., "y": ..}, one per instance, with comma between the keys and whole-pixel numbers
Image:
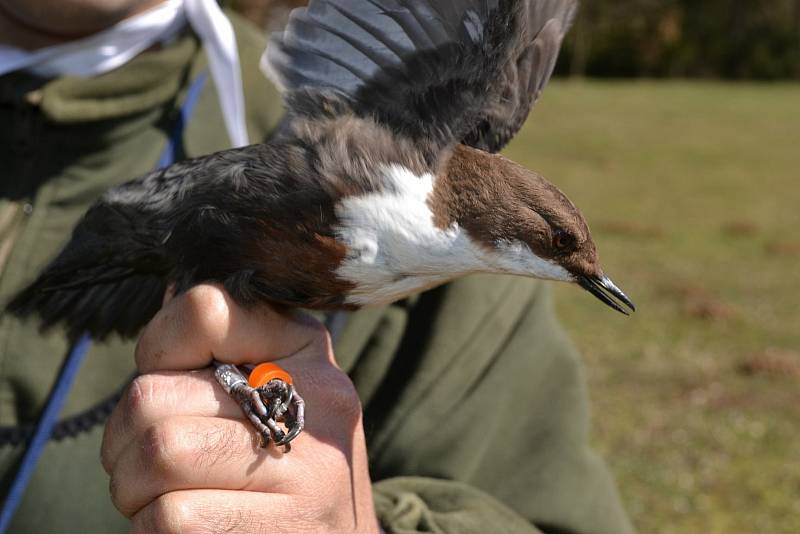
[{"x": 603, "y": 288}]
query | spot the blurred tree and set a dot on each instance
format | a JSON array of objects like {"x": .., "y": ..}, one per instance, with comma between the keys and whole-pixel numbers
[{"x": 685, "y": 38}]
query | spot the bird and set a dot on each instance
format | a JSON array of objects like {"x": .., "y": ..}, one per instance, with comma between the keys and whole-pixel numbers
[{"x": 384, "y": 178}]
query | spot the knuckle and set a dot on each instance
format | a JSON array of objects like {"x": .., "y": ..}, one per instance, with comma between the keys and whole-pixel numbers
[
  {"x": 342, "y": 397},
  {"x": 169, "y": 513},
  {"x": 144, "y": 400},
  {"x": 115, "y": 491},
  {"x": 106, "y": 461},
  {"x": 121, "y": 498},
  {"x": 140, "y": 396},
  {"x": 205, "y": 308},
  {"x": 111, "y": 433},
  {"x": 322, "y": 338},
  {"x": 314, "y": 329},
  {"x": 319, "y": 333},
  {"x": 146, "y": 347},
  {"x": 160, "y": 447},
  {"x": 317, "y": 328}
]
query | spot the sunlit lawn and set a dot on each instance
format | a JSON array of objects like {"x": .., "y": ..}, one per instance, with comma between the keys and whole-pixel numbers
[{"x": 692, "y": 191}]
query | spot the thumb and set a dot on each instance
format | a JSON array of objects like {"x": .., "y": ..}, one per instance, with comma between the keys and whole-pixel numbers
[{"x": 205, "y": 324}]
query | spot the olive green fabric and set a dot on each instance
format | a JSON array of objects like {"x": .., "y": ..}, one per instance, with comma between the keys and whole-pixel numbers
[
  {"x": 475, "y": 381},
  {"x": 475, "y": 406}
]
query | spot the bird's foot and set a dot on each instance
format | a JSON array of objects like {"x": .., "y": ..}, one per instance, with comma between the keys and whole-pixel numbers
[{"x": 273, "y": 402}]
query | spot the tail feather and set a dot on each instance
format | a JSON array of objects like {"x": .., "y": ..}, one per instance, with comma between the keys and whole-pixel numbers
[
  {"x": 106, "y": 280},
  {"x": 123, "y": 306}
]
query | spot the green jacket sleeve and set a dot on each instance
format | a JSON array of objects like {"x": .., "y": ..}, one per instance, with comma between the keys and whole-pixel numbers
[
  {"x": 407, "y": 505},
  {"x": 474, "y": 391}
]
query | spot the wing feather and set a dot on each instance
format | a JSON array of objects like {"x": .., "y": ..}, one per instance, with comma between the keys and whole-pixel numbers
[
  {"x": 525, "y": 74},
  {"x": 439, "y": 72}
]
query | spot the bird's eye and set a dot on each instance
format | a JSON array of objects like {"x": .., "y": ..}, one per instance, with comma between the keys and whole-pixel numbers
[{"x": 562, "y": 240}]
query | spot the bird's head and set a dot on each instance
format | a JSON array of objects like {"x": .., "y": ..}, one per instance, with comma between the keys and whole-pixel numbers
[{"x": 526, "y": 225}]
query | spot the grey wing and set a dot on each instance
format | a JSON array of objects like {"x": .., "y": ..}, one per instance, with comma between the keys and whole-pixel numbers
[
  {"x": 524, "y": 77},
  {"x": 438, "y": 71},
  {"x": 423, "y": 67}
]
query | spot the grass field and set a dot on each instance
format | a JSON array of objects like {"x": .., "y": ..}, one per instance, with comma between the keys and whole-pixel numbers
[{"x": 692, "y": 191}]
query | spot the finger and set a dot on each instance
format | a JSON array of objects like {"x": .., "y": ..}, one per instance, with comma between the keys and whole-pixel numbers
[
  {"x": 204, "y": 323},
  {"x": 200, "y": 452},
  {"x": 156, "y": 396},
  {"x": 221, "y": 511}
]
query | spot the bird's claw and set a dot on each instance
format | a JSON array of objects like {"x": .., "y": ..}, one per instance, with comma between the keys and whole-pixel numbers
[
  {"x": 275, "y": 402},
  {"x": 266, "y": 406}
]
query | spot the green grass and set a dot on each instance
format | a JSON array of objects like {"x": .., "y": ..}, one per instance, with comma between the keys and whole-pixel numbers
[{"x": 693, "y": 194}]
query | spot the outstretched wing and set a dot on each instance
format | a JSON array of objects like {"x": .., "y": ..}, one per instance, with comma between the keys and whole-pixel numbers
[
  {"x": 525, "y": 73},
  {"x": 437, "y": 71}
]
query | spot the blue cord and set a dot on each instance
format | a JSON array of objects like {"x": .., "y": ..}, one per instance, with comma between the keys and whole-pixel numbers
[
  {"x": 170, "y": 153},
  {"x": 76, "y": 354},
  {"x": 44, "y": 428}
]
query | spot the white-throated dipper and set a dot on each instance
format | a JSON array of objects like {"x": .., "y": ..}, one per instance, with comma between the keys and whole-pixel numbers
[{"x": 382, "y": 180}]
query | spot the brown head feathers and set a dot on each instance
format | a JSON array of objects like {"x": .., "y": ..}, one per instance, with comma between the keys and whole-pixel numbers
[{"x": 496, "y": 200}]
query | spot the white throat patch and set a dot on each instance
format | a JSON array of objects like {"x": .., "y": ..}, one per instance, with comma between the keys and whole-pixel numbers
[{"x": 394, "y": 249}]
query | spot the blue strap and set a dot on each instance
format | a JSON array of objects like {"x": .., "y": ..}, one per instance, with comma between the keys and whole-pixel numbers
[
  {"x": 76, "y": 354},
  {"x": 172, "y": 150},
  {"x": 44, "y": 428}
]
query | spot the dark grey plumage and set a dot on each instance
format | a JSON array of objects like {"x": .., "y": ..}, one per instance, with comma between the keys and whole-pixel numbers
[
  {"x": 440, "y": 72},
  {"x": 207, "y": 219},
  {"x": 524, "y": 77},
  {"x": 367, "y": 82}
]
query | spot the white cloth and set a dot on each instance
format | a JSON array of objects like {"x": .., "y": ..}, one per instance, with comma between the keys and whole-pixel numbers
[{"x": 115, "y": 46}]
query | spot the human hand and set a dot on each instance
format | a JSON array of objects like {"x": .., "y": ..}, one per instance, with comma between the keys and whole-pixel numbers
[{"x": 181, "y": 455}]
